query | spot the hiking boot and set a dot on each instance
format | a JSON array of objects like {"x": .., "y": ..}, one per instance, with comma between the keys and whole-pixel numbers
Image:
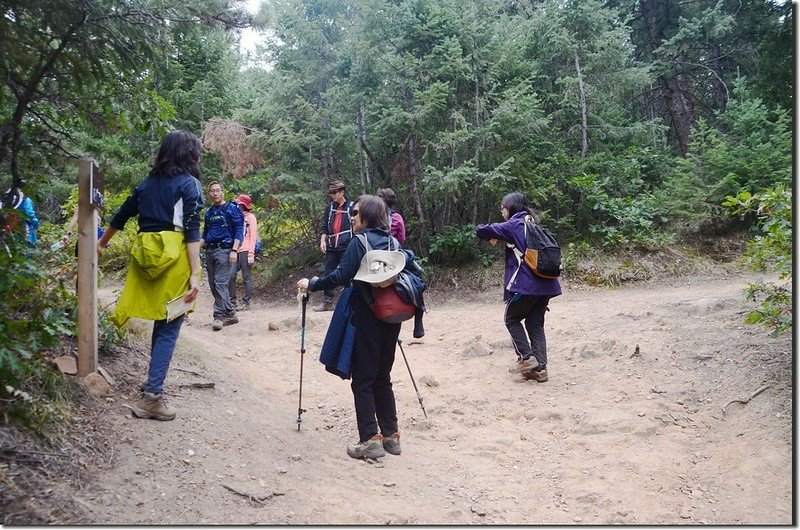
[
  {"x": 245, "y": 306},
  {"x": 523, "y": 365},
  {"x": 372, "y": 448},
  {"x": 217, "y": 325},
  {"x": 227, "y": 321},
  {"x": 392, "y": 443},
  {"x": 153, "y": 406},
  {"x": 324, "y": 306},
  {"x": 539, "y": 376}
]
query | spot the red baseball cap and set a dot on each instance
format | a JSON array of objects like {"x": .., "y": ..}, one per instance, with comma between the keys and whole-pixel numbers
[{"x": 245, "y": 201}]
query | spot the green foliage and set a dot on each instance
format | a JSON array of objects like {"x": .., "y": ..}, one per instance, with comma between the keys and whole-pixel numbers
[
  {"x": 613, "y": 220},
  {"x": 454, "y": 246},
  {"x": 753, "y": 152},
  {"x": 36, "y": 310},
  {"x": 770, "y": 249}
]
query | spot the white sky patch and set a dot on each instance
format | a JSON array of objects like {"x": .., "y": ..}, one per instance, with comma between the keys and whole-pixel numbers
[{"x": 251, "y": 37}]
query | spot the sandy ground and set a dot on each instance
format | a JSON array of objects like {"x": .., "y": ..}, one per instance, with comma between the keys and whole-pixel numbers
[{"x": 614, "y": 437}]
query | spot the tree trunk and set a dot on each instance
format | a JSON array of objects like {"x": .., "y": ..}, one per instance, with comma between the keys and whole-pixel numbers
[
  {"x": 362, "y": 156},
  {"x": 584, "y": 122},
  {"x": 675, "y": 90},
  {"x": 478, "y": 146},
  {"x": 413, "y": 167}
]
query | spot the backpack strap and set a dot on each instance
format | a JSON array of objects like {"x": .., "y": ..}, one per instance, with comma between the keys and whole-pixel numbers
[
  {"x": 365, "y": 241},
  {"x": 517, "y": 253}
]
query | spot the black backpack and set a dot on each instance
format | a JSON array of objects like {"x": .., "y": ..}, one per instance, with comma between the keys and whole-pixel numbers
[{"x": 542, "y": 253}]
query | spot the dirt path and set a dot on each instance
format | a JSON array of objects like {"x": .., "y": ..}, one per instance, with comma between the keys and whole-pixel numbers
[{"x": 613, "y": 437}]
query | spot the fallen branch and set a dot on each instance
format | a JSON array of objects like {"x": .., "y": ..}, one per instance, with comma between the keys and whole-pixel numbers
[
  {"x": 745, "y": 401},
  {"x": 253, "y": 498},
  {"x": 188, "y": 372},
  {"x": 197, "y": 385}
]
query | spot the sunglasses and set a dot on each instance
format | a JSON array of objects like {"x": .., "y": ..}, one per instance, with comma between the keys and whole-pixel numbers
[
  {"x": 334, "y": 192},
  {"x": 355, "y": 212}
]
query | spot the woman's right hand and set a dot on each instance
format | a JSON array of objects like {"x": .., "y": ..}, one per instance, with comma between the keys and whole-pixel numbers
[
  {"x": 194, "y": 289},
  {"x": 302, "y": 285}
]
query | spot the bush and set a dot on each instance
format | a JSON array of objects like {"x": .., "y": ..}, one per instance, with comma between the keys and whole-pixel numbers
[
  {"x": 770, "y": 249},
  {"x": 36, "y": 310},
  {"x": 454, "y": 245}
]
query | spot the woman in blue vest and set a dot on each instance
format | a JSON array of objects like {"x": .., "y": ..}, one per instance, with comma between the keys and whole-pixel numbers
[{"x": 526, "y": 295}]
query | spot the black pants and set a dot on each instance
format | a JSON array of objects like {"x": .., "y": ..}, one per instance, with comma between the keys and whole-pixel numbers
[
  {"x": 371, "y": 366},
  {"x": 332, "y": 259},
  {"x": 531, "y": 309}
]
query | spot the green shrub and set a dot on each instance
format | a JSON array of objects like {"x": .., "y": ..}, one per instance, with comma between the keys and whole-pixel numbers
[
  {"x": 36, "y": 310},
  {"x": 454, "y": 245},
  {"x": 770, "y": 249}
]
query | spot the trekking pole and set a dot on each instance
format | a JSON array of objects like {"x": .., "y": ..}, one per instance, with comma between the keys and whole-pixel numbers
[
  {"x": 300, "y": 409},
  {"x": 419, "y": 396}
]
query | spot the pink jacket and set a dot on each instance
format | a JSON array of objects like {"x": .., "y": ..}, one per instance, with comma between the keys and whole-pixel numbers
[{"x": 250, "y": 234}]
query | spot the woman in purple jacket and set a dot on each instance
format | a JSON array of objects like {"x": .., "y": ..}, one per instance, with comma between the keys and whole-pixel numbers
[{"x": 526, "y": 295}]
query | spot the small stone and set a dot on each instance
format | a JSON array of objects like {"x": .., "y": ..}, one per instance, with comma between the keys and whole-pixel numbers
[
  {"x": 296, "y": 458},
  {"x": 641, "y": 414},
  {"x": 478, "y": 510},
  {"x": 95, "y": 385},
  {"x": 428, "y": 380},
  {"x": 272, "y": 326},
  {"x": 66, "y": 364},
  {"x": 106, "y": 376},
  {"x": 389, "y": 484},
  {"x": 190, "y": 452}
]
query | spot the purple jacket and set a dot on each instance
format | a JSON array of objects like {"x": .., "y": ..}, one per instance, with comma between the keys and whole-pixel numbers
[
  {"x": 526, "y": 283},
  {"x": 398, "y": 229}
]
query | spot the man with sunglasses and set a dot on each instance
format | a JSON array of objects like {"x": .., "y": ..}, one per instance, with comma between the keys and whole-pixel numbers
[{"x": 335, "y": 232}]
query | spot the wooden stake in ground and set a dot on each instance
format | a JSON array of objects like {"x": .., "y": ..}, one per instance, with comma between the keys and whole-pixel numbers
[{"x": 88, "y": 177}]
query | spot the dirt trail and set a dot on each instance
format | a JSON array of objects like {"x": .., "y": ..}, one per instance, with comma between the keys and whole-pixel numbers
[{"x": 613, "y": 437}]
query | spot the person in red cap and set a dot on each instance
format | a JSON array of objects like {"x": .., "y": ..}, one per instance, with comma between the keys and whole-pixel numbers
[{"x": 247, "y": 254}]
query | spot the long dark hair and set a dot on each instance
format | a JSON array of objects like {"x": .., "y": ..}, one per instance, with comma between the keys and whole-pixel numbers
[
  {"x": 372, "y": 211},
  {"x": 179, "y": 154},
  {"x": 515, "y": 202}
]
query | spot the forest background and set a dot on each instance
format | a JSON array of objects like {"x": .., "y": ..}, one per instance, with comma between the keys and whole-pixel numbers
[{"x": 631, "y": 125}]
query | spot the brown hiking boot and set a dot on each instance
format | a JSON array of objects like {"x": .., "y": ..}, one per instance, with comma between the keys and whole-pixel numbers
[
  {"x": 324, "y": 306},
  {"x": 392, "y": 444},
  {"x": 539, "y": 377},
  {"x": 372, "y": 448},
  {"x": 523, "y": 365},
  {"x": 153, "y": 406}
]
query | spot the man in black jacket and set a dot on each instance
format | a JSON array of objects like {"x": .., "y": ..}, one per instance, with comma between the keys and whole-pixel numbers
[{"x": 335, "y": 233}]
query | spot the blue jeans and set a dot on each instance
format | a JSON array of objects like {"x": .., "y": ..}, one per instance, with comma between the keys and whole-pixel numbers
[
  {"x": 162, "y": 346},
  {"x": 219, "y": 270}
]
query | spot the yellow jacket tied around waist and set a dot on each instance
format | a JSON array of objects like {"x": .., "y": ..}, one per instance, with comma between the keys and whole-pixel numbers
[{"x": 158, "y": 272}]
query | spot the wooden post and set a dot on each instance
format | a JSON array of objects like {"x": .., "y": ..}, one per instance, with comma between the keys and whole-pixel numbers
[{"x": 87, "y": 269}]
